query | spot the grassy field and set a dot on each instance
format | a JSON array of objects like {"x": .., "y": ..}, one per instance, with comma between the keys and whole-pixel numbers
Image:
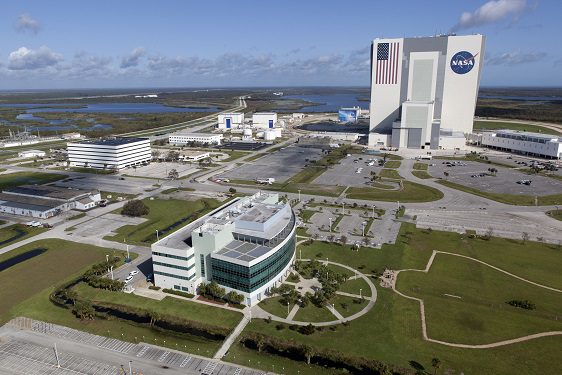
[
  {"x": 233, "y": 155},
  {"x": 306, "y": 215},
  {"x": 420, "y": 166},
  {"x": 480, "y": 314},
  {"x": 169, "y": 306},
  {"x": 411, "y": 192},
  {"x": 311, "y": 313},
  {"x": 348, "y": 306},
  {"x": 275, "y": 307},
  {"x": 61, "y": 260},
  {"x": 422, "y": 174},
  {"x": 28, "y": 178},
  {"x": 163, "y": 214},
  {"x": 492, "y": 125},
  {"x": 17, "y": 232},
  {"x": 353, "y": 286},
  {"x": 392, "y": 164},
  {"x": 390, "y": 173},
  {"x": 514, "y": 199},
  {"x": 391, "y": 331}
]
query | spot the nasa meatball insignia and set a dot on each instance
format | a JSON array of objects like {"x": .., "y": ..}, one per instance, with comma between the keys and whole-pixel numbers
[{"x": 463, "y": 62}]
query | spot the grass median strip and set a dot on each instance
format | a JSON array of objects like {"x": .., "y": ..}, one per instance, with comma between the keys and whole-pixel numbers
[{"x": 410, "y": 192}]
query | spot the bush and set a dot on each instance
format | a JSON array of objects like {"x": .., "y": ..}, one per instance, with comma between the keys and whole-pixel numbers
[
  {"x": 307, "y": 330},
  {"x": 153, "y": 287},
  {"x": 178, "y": 293},
  {"x": 135, "y": 208},
  {"x": 522, "y": 304}
]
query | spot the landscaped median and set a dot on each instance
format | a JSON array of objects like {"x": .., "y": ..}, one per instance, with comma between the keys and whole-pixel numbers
[
  {"x": 410, "y": 192},
  {"x": 17, "y": 232},
  {"x": 11, "y": 180},
  {"x": 420, "y": 171}
]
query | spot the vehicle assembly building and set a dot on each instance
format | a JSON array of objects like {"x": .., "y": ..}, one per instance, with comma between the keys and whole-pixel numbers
[
  {"x": 246, "y": 246},
  {"x": 111, "y": 153},
  {"x": 424, "y": 90}
]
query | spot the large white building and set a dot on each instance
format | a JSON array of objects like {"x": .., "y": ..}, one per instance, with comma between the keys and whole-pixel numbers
[
  {"x": 264, "y": 120},
  {"x": 526, "y": 143},
  {"x": 246, "y": 245},
  {"x": 227, "y": 121},
  {"x": 111, "y": 153},
  {"x": 421, "y": 87},
  {"x": 183, "y": 138}
]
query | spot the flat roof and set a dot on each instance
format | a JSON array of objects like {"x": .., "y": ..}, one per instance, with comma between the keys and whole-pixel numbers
[
  {"x": 527, "y": 134},
  {"x": 244, "y": 251},
  {"x": 111, "y": 141},
  {"x": 47, "y": 191},
  {"x": 38, "y": 204},
  {"x": 205, "y": 135}
]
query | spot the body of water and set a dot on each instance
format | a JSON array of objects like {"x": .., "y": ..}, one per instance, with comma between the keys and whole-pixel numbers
[
  {"x": 330, "y": 103},
  {"x": 110, "y": 108},
  {"x": 56, "y": 125},
  {"x": 21, "y": 258},
  {"x": 525, "y": 98}
]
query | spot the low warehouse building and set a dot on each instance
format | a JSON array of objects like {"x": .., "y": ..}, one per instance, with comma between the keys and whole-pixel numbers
[
  {"x": 43, "y": 201},
  {"x": 112, "y": 153},
  {"x": 227, "y": 121},
  {"x": 31, "y": 154},
  {"x": 264, "y": 120},
  {"x": 526, "y": 143},
  {"x": 183, "y": 138}
]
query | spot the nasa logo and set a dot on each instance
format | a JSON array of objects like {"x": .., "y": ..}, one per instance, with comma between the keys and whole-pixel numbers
[{"x": 462, "y": 62}]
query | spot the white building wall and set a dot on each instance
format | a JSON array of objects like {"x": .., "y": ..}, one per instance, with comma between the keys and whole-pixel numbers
[
  {"x": 264, "y": 120},
  {"x": 101, "y": 156},
  {"x": 236, "y": 120},
  {"x": 551, "y": 149},
  {"x": 182, "y": 139},
  {"x": 460, "y": 91}
]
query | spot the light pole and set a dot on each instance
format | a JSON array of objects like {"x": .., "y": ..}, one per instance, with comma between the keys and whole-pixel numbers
[
  {"x": 111, "y": 270},
  {"x": 157, "y": 238},
  {"x": 57, "y": 356},
  {"x": 373, "y": 211},
  {"x": 128, "y": 256},
  {"x": 107, "y": 258},
  {"x": 130, "y": 368},
  {"x": 299, "y": 195},
  {"x": 300, "y": 254},
  {"x": 360, "y": 294},
  {"x": 330, "y": 224},
  {"x": 363, "y": 224},
  {"x": 343, "y": 208},
  {"x": 288, "y": 312}
]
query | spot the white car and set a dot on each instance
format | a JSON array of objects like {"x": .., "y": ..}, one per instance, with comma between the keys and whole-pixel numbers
[
  {"x": 133, "y": 273},
  {"x": 128, "y": 278}
]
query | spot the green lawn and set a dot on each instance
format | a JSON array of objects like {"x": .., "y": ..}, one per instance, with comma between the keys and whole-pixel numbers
[
  {"x": 28, "y": 178},
  {"x": 168, "y": 306},
  {"x": 274, "y": 306},
  {"x": 392, "y": 164},
  {"x": 420, "y": 166},
  {"x": 348, "y": 306},
  {"x": 174, "y": 190},
  {"x": 17, "y": 232},
  {"x": 306, "y": 215},
  {"x": 233, "y": 155},
  {"x": 514, "y": 199},
  {"x": 164, "y": 213},
  {"x": 422, "y": 174},
  {"x": 353, "y": 286},
  {"x": 311, "y": 313},
  {"x": 411, "y": 192},
  {"x": 61, "y": 260},
  {"x": 390, "y": 173},
  {"x": 481, "y": 315},
  {"x": 492, "y": 125}
]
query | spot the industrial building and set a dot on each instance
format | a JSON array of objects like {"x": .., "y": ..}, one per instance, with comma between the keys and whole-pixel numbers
[
  {"x": 246, "y": 245},
  {"x": 526, "y": 143},
  {"x": 424, "y": 90},
  {"x": 44, "y": 201},
  {"x": 31, "y": 154},
  {"x": 228, "y": 121},
  {"x": 183, "y": 138},
  {"x": 111, "y": 153},
  {"x": 264, "y": 120}
]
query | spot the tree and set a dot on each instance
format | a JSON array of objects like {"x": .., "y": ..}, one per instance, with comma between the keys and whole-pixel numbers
[
  {"x": 215, "y": 290},
  {"x": 446, "y": 174},
  {"x": 343, "y": 239},
  {"x": 234, "y": 297},
  {"x": 173, "y": 174},
  {"x": 307, "y": 352},
  {"x": 156, "y": 154},
  {"x": 525, "y": 236},
  {"x": 489, "y": 233},
  {"x": 154, "y": 317},
  {"x": 172, "y": 156},
  {"x": 83, "y": 309},
  {"x": 436, "y": 364},
  {"x": 72, "y": 295},
  {"x": 135, "y": 208},
  {"x": 232, "y": 190}
]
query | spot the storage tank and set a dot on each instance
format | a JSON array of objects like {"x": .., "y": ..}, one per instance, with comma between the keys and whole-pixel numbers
[
  {"x": 269, "y": 135},
  {"x": 247, "y": 132},
  {"x": 260, "y": 134}
]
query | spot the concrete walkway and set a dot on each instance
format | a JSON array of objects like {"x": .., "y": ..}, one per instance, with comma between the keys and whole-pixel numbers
[
  {"x": 466, "y": 346},
  {"x": 232, "y": 338}
]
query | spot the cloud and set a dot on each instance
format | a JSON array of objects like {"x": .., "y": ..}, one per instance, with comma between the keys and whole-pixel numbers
[
  {"x": 133, "y": 59},
  {"x": 26, "y": 23},
  {"x": 557, "y": 63},
  {"x": 29, "y": 59},
  {"x": 491, "y": 12},
  {"x": 516, "y": 58}
]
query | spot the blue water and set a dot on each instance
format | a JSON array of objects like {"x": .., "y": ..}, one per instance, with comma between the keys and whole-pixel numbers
[
  {"x": 527, "y": 98},
  {"x": 111, "y": 108},
  {"x": 331, "y": 103}
]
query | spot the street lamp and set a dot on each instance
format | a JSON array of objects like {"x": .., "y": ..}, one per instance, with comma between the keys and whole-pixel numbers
[
  {"x": 299, "y": 195},
  {"x": 288, "y": 312},
  {"x": 330, "y": 223},
  {"x": 130, "y": 368},
  {"x": 343, "y": 208},
  {"x": 373, "y": 211},
  {"x": 360, "y": 294},
  {"x": 363, "y": 224}
]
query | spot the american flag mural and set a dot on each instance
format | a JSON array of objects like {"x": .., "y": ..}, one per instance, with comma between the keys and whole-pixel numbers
[{"x": 386, "y": 72}]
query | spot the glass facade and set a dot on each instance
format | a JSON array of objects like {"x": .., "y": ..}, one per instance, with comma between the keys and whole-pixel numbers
[
  {"x": 174, "y": 276},
  {"x": 172, "y": 256},
  {"x": 249, "y": 279}
]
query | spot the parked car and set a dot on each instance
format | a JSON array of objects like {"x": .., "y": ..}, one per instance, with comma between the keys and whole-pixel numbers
[
  {"x": 128, "y": 278},
  {"x": 133, "y": 273}
]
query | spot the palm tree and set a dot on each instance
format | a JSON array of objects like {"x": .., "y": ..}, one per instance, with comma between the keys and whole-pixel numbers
[
  {"x": 308, "y": 352},
  {"x": 436, "y": 364},
  {"x": 154, "y": 317}
]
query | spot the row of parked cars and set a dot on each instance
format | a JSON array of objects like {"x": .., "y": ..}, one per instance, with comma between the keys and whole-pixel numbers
[{"x": 38, "y": 224}]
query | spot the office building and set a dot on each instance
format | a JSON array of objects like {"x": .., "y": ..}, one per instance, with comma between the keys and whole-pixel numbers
[
  {"x": 227, "y": 121},
  {"x": 184, "y": 138},
  {"x": 264, "y": 120},
  {"x": 421, "y": 87},
  {"x": 111, "y": 153},
  {"x": 44, "y": 201},
  {"x": 246, "y": 246},
  {"x": 525, "y": 143}
]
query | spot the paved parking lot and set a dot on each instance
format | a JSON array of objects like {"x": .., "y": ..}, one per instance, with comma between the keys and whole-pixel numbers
[
  {"x": 27, "y": 348},
  {"x": 504, "y": 182},
  {"x": 345, "y": 173},
  {"x": 128, "y": 185},
  {"x": 280, "y": 165},
  {"x": 161, "y": 170},
  {"x": 105, "y": 224}
]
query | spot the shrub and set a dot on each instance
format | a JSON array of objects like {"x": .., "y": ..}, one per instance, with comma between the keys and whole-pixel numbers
[
  {"x": 178, "y": 293},
  {"x": 522, "y": 304},
  {"x": 153, "y": 287},
  {"x": 135, "y": 208},
  {"x": 307, "y": 330}
]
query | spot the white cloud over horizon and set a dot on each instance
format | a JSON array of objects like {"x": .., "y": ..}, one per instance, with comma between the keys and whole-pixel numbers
[
  {"x": 491, "y": 12},
  {"x": 29, "y": 59},
  {"x": 26, "y": 23}
]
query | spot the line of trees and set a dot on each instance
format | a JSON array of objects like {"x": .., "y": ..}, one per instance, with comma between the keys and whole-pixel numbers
[{"x": 215, "y": 292}]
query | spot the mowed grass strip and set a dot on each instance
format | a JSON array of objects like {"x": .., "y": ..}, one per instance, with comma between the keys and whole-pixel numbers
[
  {"x": 17, "y": 232},
  {"x": 513, "y": 199},
  {"x": 11, "y": 180},
  {"x": 411, "y": 192},
  {"x": 465, "y": 301},
  {"x": 390, "y": 173},
  {"x": 169, "y": 305},
  {"x": 422, "y": 174},
  {"x": 392, "y": 164},
  {"x": 312, "y": 313},
  {"x": 420, "y": 166},
  {"x": 61, "y": 260},
  {"x": 163, "y": 214},
  {"x": 495, "y": 125},
  {"x": 274, "y": 306}
]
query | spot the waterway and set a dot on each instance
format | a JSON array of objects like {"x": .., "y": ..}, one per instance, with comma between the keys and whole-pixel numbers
[
  {"x": 109, "y": 108},
  {"x": 20, "y": 258},
  {"x": 329, "y": 103}
]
